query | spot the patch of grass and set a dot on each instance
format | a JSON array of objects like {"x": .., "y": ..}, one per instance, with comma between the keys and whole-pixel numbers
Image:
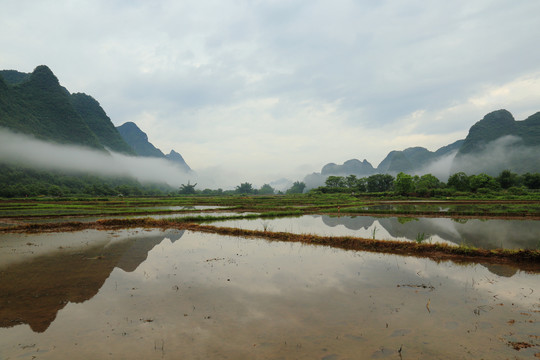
[
  {"x": 211, "y": 218},
  {"x": 421, "y": 237}
]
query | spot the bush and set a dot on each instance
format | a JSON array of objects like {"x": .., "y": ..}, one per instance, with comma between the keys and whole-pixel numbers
[{"x": 515, "y": 190}]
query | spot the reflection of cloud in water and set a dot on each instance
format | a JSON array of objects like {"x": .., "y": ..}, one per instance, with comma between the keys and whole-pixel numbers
[
  {"x": 353, "y": 223},
  {"x": 34, "y": 290},
  {"x": 488, "y": 234},
  {"x": 288, "y": 298}
]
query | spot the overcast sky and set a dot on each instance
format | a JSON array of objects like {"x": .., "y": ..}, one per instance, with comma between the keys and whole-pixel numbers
[{"x": 260, "y": 90}]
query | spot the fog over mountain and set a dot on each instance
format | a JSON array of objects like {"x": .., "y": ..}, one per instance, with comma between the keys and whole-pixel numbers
[
  {"x": 264, "y": 90},
  {"x": 497, "y": 142},
  {"x": 36, "y": 104},
  {"x": 18, "y": 149}
]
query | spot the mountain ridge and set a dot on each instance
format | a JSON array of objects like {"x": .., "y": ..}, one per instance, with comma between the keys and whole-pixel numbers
[
  {"x": 138, "y": 140},
  {"x": 37, "y": 104},
  {"x": 516, "y": 142}
]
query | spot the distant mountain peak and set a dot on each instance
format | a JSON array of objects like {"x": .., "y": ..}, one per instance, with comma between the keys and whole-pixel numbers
[
  {"x": 43, "y": 78},
  {"x": 178, "y": 159},
  {"x": 501, "y": 115},
  {"x": 138, "y": 140},
  {"x": 352, "y": 166},
  {"x": 492, "y": 126}
]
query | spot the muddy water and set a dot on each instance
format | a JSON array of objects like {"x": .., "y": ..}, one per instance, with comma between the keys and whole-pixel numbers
[
  {"x": 169, "y": 295},
  {"x": 488, "y": 234}
]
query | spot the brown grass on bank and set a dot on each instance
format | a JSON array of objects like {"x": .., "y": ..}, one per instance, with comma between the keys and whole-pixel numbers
[{"x": 528, "y": 260}]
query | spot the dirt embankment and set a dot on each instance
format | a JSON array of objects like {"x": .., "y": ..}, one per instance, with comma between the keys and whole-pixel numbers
[{"x": 528, "y": 260}]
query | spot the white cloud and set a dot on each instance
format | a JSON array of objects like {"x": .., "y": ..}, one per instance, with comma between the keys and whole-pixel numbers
[{"x": 283, "y": 83}]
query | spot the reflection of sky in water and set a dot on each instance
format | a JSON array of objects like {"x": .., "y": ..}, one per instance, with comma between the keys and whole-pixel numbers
[
  {"x": 488, "y": 234},
  {"x": 185, "y": 207},
  {"x": 210, "y": 296},
  {"x": 152, "y": 216}
]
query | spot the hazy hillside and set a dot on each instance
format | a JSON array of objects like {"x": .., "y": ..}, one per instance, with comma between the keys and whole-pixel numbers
[
  {"x": 138, "y": 140},
  {"x": 499, "y": 142},
  {"x": 101, "y": 125},
  {"x": 40, "y": 106},
  {"x": 178, "y": 159},
  {"x": 353, "y": 166},
  {"x": 414, "y": 159},
  {"x": 36, "y": 104},
  {"x": 495, "y": 143}
]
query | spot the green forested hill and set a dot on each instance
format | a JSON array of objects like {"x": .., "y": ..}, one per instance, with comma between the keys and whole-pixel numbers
[
  {"x": 414, "y": 159},
  {"x": 529, "y": 130},
  {"x": 101, "y": 125},
  {"x": 41, "y": 107},
  {"x": 36, "y": 104},
  {"x": 498, "y": 124},
  {"x": 138, "y": 140},
  {"x": 493, "y": 126},
  {"x": 17, "y": 181},
  {"x": 13, "y": 76},
  {"x": 499, "y": 142}
]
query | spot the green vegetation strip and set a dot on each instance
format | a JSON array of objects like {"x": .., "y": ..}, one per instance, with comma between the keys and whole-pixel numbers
[
  {"x": 210, "y": 218},
  {"x": 528, "y": 260}
]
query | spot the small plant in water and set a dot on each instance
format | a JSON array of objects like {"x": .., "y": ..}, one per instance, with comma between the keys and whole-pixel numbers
[
  {"x": 265, "y": 226},
  {"x": 421, "y": 237},
  {"x": 374, "y": 232}
]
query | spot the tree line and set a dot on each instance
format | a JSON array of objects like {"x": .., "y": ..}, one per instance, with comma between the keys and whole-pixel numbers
[
  {"x": 23, "y": 182},
  {"x": 428, "y": 185},
  {"x": 244, "y": 188}
]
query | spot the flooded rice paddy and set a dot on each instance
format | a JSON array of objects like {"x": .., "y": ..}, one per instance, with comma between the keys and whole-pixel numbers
[
  {"x": 486, "y": 234},
  {"x": 152, "y": 216},
  {"x": 138, "y": 294}
]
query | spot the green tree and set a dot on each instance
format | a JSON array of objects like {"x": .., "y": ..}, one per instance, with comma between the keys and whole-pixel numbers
[
  {"x": 244, "y": 188},
  {"x": 532, "y": 181},
  {"x": 507, "y": 179},
  {"x": 55, "y": 190},
  {"x": 425, "y": 184},
  {"x": 266, "y": 190},
  {"x": 459, "y": 181},
  {"x": 404, "y": 184},
  {"x": 297, "y": 188},
  {"x": 380, "y": 182},
  {"x": 335, "y": 181},
  {"x": 361, "y": 184},
  {"x": 481, "y": 181},
  {"x": 187, "y": 189},
  {"x": 351, "y": 181}
]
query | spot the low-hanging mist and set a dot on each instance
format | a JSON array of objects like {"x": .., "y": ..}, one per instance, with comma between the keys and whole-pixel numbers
[
  {"x": 505, "y": 153},
  {"x": 18, "y": 149}
]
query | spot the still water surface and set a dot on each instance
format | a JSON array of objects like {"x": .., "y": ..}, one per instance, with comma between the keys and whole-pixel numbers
[
  {"x": 169, "y": 295},
  {"x": 487, "y": 234}
]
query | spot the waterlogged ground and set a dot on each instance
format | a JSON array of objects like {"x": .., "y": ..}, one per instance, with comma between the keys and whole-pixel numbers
[
  {"x": 487, "y": 234},
  {"x": 168, "y": 295},
  {"x": 152, "y": 216}
]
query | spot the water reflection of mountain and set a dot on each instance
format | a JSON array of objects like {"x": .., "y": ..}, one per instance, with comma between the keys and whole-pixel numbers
[
  {"x": 487, "y": 234},
  {"x": 353, "y": 223},
  {"x": 33, "y": 292}
]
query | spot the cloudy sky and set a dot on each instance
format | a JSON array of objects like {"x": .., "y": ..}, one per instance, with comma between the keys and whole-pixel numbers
[{"x": 259, "y": 90}]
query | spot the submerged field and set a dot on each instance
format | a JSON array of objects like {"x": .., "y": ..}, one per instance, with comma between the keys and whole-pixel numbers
[{"x": 269, "y": 277}]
